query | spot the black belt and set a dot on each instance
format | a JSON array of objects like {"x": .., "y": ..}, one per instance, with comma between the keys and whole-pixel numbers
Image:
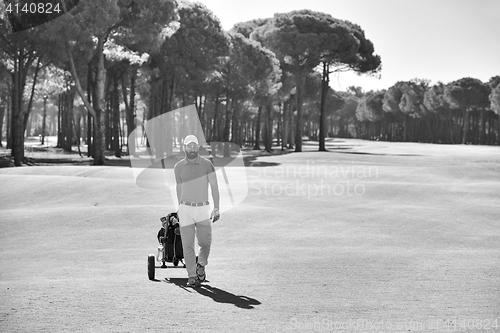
[{"x": 194, "y": 204}]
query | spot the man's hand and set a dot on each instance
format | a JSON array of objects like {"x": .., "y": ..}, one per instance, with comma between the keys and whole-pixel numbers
[{"x": 215, "y": 215}]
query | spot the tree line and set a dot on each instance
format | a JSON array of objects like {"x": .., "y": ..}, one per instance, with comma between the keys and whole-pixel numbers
[
  {"x": 112, "y": 56},
  {"x": 463, "y": 111},
  {"x": 106, "y": 67}
]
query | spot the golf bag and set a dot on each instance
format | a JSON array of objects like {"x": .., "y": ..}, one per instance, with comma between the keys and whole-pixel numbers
[{"x": 169, "y": 237}]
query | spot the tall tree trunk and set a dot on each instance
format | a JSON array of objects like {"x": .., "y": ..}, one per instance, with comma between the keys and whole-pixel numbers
[
  {"x": 488, "y": 126},
  {"x": 17, "y": 139},
  {"x": 99, "y": 128},
  {"x": 116, "y": 116},
  {"x": 153, "y": 99},
  {"x": 405, "y": 124},
  {"x": 291, "y": 137},
  {"x": 429, "y": 127},
  {"x": 250, "y": 134},
  {"x": 9, "y": 117},
  {"x": 122, "y": 130},
  {"x": 482, "y": 127},
  {"x": 67, "y": 121},
  {"x": 90, "y": 151},
  {"x": 466, "y": 124},
  {"x": 236, "y": 122},
  {"x": 108, "y": 113},
  {"x": 491, "y": 129},
  {"x": 286, "y": 112},
  {"x": 268, "y": 129},
  {"x": 17, "y": 117},
  {"x": 64, "y": 122},
  {"x": 129, "y": 115},
  {"x": 97, "y": 100},
  {"x": 300, "y": 77},
  {"x": 279, "y": 125},
  {"x": 172, "y": 92},
  {"x": 22, "y": 61},
  {"x": 498, "y": 129},
  {"x": 257, "y": 129},
  {"x": 447, "y": 132},
  {"x": 83, "y": 132},
  {"x": 3, "y": 107},
  {"x": 44, "y": 119},
  {"x": 341, "y": 127},
  {"x": 227, "y": 124},
  {"x": 215, "y": 134},
  {"x": 165, "y": 97},
  {"x": 77, "y": 127},
  {"x": 28, "y": 125},
  {"x": 60, "y": 105},
  {"x": 201, "y": 113},
  {"x": 325, "y": 83},
  {"x": 30, "y": 103}
]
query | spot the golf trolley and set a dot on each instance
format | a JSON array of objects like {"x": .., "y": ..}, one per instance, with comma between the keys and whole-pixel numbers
[{"x": 170, "y": 245}]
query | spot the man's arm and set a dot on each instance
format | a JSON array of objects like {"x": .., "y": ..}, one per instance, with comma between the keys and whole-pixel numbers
[
  {"x": 178, "y": 181},
  {"x": 212, "y": 179}
]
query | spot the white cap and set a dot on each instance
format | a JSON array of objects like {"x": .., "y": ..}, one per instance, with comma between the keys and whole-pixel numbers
[{"x": 190, "y": 138}]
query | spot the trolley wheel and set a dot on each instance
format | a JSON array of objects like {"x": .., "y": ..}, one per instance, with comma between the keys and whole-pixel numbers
[
  {"x": 151, "y": 267},
  {"x": 176, "y": 262}
]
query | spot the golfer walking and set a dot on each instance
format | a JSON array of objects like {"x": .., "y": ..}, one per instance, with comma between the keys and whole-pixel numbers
[{"x": 192, "y": 175}]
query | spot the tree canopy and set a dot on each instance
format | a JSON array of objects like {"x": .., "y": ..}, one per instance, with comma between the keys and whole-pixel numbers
[{"x": 302, "y": 39}]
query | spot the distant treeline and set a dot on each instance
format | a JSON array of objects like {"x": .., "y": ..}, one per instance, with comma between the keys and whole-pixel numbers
[{"x": 463, "y": 111}]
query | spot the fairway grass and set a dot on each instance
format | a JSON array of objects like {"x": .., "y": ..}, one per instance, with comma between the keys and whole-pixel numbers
[{"x": 370, "y": 236}]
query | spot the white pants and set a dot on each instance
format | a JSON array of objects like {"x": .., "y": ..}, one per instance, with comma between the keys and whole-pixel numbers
[{"x": 195, "y": 220}]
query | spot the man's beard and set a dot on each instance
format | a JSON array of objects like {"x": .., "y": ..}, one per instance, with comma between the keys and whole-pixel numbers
[{"x": 192, "y": 155}]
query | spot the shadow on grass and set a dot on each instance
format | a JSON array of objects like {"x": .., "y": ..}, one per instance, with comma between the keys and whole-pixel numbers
[
  {"x": 168, "y": 163},
  {"x": 365, "y": 153},
  {"x": 251, "y": 161},
  {"x": 218, "y": 295},
  {"x": 169, "y": 267}
]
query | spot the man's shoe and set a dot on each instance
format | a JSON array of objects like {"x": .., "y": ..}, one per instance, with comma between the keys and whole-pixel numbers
[
  {"x": 200, "y": 271},
  {"x": 193, "y": 282}
]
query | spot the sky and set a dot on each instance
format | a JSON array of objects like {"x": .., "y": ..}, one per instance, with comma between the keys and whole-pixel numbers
[{"x": 437, "y": 40}]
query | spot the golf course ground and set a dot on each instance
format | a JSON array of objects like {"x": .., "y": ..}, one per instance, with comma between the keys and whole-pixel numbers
[{"x": 367, "y": 237}]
